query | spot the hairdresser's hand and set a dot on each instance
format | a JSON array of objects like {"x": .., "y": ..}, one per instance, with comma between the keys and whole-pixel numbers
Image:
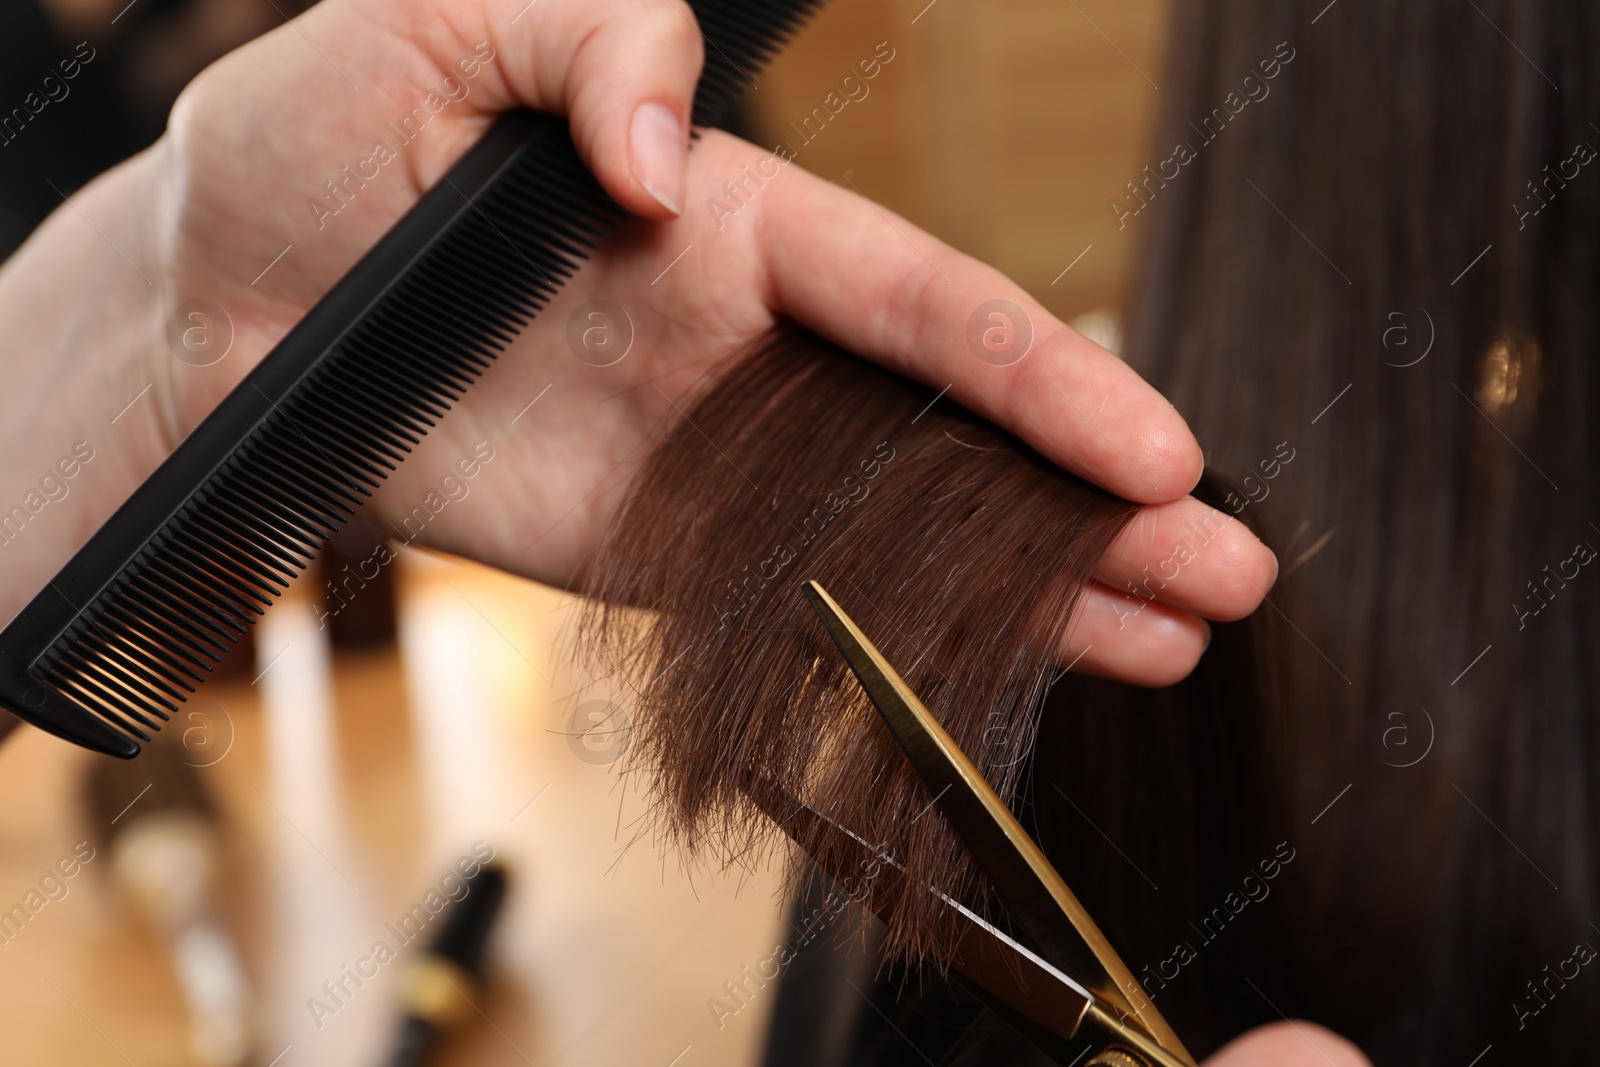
[
  {"x": 282, "y": 164},
  {"x": 1288, "y": 1044},
  {"x": 269, "y": 184},
  {"x": 695, "y": 290},
  {"x": 692, "y": 291}
]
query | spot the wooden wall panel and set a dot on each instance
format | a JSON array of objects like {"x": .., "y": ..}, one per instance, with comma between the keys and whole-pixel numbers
[{"x": 1003, "y": 128}]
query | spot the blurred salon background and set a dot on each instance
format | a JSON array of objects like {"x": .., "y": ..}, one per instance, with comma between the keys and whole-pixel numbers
[{"x": 403, "y": 716}]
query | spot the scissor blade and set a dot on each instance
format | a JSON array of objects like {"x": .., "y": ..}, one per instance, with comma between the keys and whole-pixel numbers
[
  {"x": 1031, "y": 889},
  {"x": 1044, "y": 1003}
]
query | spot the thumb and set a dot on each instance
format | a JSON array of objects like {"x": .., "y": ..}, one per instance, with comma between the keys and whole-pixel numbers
[
  {"x": 622, "y": 71},
  {"x": 632, "y": 86},
  {"x": 1288, "y": 1044}
]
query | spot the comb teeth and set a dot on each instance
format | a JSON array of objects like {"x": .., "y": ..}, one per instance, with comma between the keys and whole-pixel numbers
[{"x": 138, "y": 618}]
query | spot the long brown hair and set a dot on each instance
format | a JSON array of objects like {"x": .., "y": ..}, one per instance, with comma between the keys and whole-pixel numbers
[
  {"x": 962, "y": 553},
  {"x": 1391, "y": 263}
]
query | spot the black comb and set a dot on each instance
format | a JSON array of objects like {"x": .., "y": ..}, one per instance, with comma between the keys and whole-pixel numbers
[{"x": 138, "y": 617}]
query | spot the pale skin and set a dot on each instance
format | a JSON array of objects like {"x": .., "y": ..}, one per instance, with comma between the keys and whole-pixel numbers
[{"x": 203, "y": 213}]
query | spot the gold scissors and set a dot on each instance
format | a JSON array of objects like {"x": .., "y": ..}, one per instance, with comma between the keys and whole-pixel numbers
[{"x": 1071, "y": 996}]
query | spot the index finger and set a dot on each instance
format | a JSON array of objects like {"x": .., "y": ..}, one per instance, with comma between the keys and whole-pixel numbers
[{"x": 883, "y": 288}]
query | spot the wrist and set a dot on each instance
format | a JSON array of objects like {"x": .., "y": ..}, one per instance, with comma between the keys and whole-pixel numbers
[{"x": 82, "y": 421}]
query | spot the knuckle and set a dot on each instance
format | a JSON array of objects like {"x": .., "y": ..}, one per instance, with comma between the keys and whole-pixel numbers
[
  {"x": 909, "y": 300},
  {"x": 669, "y": 25}
]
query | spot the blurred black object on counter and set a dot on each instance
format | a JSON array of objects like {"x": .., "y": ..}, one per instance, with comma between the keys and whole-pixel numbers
[
  {"x": 442, "y": 988},
  {"x": 84, "y": 84}
]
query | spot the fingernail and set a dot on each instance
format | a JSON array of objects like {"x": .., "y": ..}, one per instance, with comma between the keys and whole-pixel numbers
[
  {"x": 660, "y": 152},
  {"x": 1208, "y": 639},
  {"x": 1275, "y": 570}
]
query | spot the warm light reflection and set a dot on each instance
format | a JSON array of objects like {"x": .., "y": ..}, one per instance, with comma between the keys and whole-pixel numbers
[{"x": 1508, "y": 369}]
